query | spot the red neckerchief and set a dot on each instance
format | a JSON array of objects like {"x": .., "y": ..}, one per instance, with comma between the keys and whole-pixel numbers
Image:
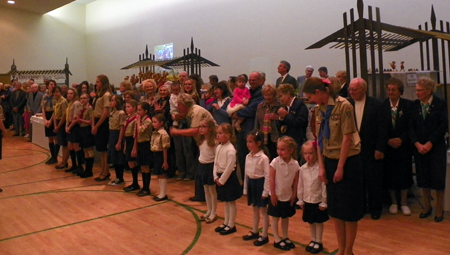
[{"x": 129, "y": 120}]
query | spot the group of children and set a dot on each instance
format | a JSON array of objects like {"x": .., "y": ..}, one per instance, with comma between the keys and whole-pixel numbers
[{"x": 272, "y": 188}]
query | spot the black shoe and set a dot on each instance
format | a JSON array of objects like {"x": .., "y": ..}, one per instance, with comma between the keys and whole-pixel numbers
[
  {"x": 78, "y": 170},
  {"x": 196, "y": 199},
  {"x": 51, "y": 161},
  {"x": 61, "y": 167},
  {"x": 131, "y": 188},
  {"x": 318, "y": 247},
  {"x": 70, "y": 170},
  {"x": 375, "y": 215},
  {"x": 425, "y": 215},
  {"x": 157, "y": 199},
  {"x": 310, "y": 246},
  {"x": 99, "y": 179},
  {"x": 289, "y": 243},
  {"x": 227, "y": 230},
  {"x": 439, "y": 219},
  {"x": 220, "y": 228},
  {"x": 1, "y": 190},
  {"x": 250, "y": 236},
  {"x": 281, "y": 245},
  {"x": 86, "y": 174},
  {"x": 261, "y": 241},
  {"x": 16, "y": 134},
  {"x": 143, "y": 193}
]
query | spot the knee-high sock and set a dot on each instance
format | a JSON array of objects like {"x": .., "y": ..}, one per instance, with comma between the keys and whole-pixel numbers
[
  {"x": 276, "y": 236},
  {"x": 134, "y": 174},
  {"x": 213, "y": 191},
  {"x": 162, "y": 187},
  {"x": 265, "y": 219},
  {"x": 312, "y": 230},
  {"x": 119, "y": 171},
  {"x": 233, "y": 212},
  {"x": 144, "y": 183},
  {"x": 51, "y": 147},
  {"x": 226, "y": 217},
  {"x": 319, "y": 232},
  {"x": 73, "y": 158},
  {"x": 56, "y": 151},
  {"x": 255, "y": 219},
  {"x": 208, "y": 200},
  {"x": 80, "y": 157},
  {"x": 285, "y": 227}
]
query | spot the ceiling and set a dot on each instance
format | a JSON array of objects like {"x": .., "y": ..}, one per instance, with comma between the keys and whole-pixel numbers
[{"x": 39, "y": 6}]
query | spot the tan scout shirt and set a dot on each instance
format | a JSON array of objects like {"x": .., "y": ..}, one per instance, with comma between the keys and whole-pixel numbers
[
  {"x": 130, "y": 126},
  {"x": 101, "y": 103},
  {"x": 85, "y": 114},
  {"x": 144, "y": 131},
  {"x": 341, "y": 122},
  {"x": 73, "y": 109},
  {"x": 48, "y": 102},
  {"x": 160, "y": 140},
  {"x": 117, "y": 119},
  {"x": 60, "y": 108},
  {"x": 196, "y": 114}
]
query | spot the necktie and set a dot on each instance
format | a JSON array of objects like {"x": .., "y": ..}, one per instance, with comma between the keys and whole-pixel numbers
[
  {"x": 324, "y": 126},
  {"x": 425, "y": 110}
]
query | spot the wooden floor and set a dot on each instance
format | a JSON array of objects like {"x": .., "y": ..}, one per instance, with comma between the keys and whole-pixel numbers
[{"x": 46, "y": 211}]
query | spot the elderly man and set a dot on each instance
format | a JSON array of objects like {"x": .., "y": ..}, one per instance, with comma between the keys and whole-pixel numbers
[
  {"x": 373, "y": 141},
  {"x": 342, "y": 77},
  {"x": 309, "y": 70},
  {"x": 283, "y": 70},
  {"x": 256, "y": 81},
  {"x": 34, "y": 102},
  {"x": 183, "y": 76},
  {"x": 193, "y": 114},
  {"x": 17, "y": 101}
]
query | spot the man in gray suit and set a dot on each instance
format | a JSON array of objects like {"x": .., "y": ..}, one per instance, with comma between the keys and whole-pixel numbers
[
  {"x": 283, "y": 70},
  {"x": 34, "y": 103},
  {"x": 17, "y": 101},
  {"x": 301, "y": 79}
]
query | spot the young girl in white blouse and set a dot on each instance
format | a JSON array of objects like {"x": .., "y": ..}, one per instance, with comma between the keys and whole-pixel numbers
[
  {"x": 283, "y": 179},
  {"x": 207, "y": 145},
  {"x": 312, "y": 195},
  {"x": 256, "y": 186},
  {"x": 228, "y": 187}
]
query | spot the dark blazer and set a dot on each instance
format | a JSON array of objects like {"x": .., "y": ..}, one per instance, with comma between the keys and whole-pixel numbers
[
  {"x": 401, "y": 129},
  {"x": 344, "y": 91},
  {"x": 18, "y": 100},
  {"x": 34, "y": 102},
  {"x": 221, "y": 115},
  {"x": 288, "y": 80},
  {"x": 296, "y": 122},
  {"x": 373, "y": 130}
]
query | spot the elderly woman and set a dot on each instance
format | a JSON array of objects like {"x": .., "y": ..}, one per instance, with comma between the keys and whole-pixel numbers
[
  {"x": 149, "y": 87},
  {"x": 339, "y": 161},
  {"x": 428, "y": 126},
  {"x": 396, "y": 112},
  {"x": 219, "y": 105},
  {"x": 293, "y": 115},
  {"x": 266, "y": 120}
]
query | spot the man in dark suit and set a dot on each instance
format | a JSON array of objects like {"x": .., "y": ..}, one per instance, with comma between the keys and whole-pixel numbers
[
  {"x": 342, "y": 77},
  {"x": 283, "y": 70},
  {"x": 373, "y": 141},
  {"x": 34, "y": 102},
  {"x": 293, "y": 116},
  {"x": 17, "y": 100}
]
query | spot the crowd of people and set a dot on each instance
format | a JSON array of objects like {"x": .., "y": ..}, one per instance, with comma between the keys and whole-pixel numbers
[{"x": 299, "y": 143}]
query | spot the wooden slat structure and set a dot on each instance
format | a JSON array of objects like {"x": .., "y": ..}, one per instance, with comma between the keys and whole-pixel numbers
[
  {"x": 39, "y": 74},
  {"x": 373, "y": 35}
]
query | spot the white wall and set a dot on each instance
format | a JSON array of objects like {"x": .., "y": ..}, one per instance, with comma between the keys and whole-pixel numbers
[
  {"x": 39, "y": 42},
  {"x": 240, "y": 36}
]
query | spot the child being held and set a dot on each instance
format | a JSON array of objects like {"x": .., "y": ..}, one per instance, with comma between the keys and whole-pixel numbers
[
  {"x": 241, "y": 97},
  {"x": 175, "y": 87}
]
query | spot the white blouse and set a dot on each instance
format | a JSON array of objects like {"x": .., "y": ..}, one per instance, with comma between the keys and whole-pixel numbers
[
  {"x": 257, "y": 166},
  {"x": 224, "y": 162},
  {"x": 207, "y": 153},
  {"x": 310, "y": 188},
  {"x": 284, "y": 177}
]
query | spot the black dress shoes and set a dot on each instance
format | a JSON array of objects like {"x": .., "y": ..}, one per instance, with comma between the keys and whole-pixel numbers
[
  {"x": 425, "y": 215},
  {"x": 375, "y": 215},
  {"x": 227, "y": 230},
  {"x": 143, "y": 193},
  {"x": 261, "y": 241},
  {"x": 131, "y": 188},
  {"x": 196, "y": 199},
  {"x": 51, "y": 161},
  {"x": 157, "y": 199},
  {"x": 440, "y": 218},
  {"x": 61, "y": 166}
]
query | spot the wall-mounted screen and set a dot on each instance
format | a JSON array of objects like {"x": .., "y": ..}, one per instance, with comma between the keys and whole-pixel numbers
[{"x": 164, "y": 51}]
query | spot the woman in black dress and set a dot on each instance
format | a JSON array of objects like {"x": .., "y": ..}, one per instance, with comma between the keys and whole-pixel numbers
[
  {"x": 429, "y": 124},
  {"x": 398, "y": 155}
]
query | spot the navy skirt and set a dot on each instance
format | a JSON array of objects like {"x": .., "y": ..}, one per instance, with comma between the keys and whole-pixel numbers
[
  {"x": 87, "y": 138},
  {"x": 102, "y": 136},
  {"x": 129, "y": 142},
  {"x": 74, "y": 135},
  {"x": 206, "y": 173},
  {"x": 312, "y": 214},
  {"x": 283, "y": 209},
  {"x": 49, "y": 130},
  {"x": 231, "y": 190},
  {"x": 144, "y": 155},
  {"x": 255, "y": 188},
  {"x": 158, "y": 161},
  {"x": 61, "y": 135},
  {"x": 115, "y": 157}
]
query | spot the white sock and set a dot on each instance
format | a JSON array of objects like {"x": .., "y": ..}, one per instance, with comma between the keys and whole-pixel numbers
[
  {"x": 213, "y": 192},
  {"x": 255, "y": 219},
  {"x": 162, "y": 187},
  {"x": 226, "y": 217},
  {"x": 265, "y": 219},
  {"x": 233, "y": 212},
  {"x": 208, "y": 200},
  {"x": 319, "y": 232},
  {"x": 312, "y": 230},
  {"x": 285, "y": 227},
  {"x": 276, "y": 236}
]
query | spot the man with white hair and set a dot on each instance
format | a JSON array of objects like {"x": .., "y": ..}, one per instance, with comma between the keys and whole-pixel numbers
[
  {"x": 34, "y": 103},
  {"x": 183, "y": 77},
  {"x": 301, "y": 79}
]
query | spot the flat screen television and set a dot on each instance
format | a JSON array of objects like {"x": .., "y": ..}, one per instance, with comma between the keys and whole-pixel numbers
[{"x": 164, "y": 51}]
